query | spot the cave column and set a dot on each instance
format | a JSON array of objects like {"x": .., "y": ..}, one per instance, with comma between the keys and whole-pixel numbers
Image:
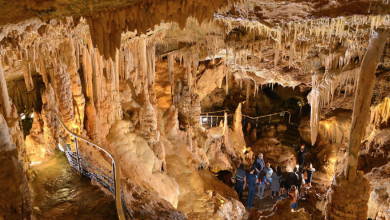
[
  {"x": 4, "y": 98},
  {"x": 350, "y": 190},
  {"x": 363, "y": 96}
]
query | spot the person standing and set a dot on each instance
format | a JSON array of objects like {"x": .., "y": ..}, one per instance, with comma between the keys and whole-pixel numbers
[
  {"x": 262, "y": 178},
  {"x": 275, "y": 185},
  {"x": 258, "y": 164},
  {"x": 301, "y": 179},
  {"x": 291, "y": 179},
  {"x": 240, "y": 180},
  {"x": 293, "y": 194},
  {"x": 309, "y": 173},
  {"x": 268, "y": 174},
  {"x": 252, "y": 180},
  {"x": 302, "y": 151}
]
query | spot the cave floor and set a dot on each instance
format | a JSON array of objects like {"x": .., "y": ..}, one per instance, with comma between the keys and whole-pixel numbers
[
  {"x": 261, "y": 204},
  {"x": 60, "y": 193}
]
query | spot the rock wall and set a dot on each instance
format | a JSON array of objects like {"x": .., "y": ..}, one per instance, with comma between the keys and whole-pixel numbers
[{"x": 16, "y": 202}]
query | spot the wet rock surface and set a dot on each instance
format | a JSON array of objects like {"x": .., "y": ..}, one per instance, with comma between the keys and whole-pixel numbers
[{"x": 61, "y": 193}]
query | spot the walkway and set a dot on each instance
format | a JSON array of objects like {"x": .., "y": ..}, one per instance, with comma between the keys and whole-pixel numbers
[{"x": 60, "y": 193}]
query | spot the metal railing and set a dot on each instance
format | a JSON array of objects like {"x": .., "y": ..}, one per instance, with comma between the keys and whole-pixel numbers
[
  {"x": 82, "y": 166},
  {"x": 207, "y": 115},
  {"x": 270, "y": 116}
]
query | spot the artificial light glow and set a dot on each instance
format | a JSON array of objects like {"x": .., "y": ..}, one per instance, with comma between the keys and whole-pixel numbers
[
  {"x": 32, "y": 115},
  {"x": 327, "y": 126},
  {"x": 60, "y": 147},
  {"x": 23, "y": 117},
  {"x": 35, "y": 162},
  {"x": 204, "y": 119}
]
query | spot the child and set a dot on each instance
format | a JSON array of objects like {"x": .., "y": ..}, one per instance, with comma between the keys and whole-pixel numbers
[
  {"x": 268, "y": 174},
  {"x": 293, "y": 194}
]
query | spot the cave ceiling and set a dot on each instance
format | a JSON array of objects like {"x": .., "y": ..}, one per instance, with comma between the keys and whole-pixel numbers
[{"x": 311, "y": 37}]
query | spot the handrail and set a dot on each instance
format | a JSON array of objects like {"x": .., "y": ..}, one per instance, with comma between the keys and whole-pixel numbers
[
  {"x": 263, "y": 116},
  {"x": 115, "y": 167},
  {"x": 214, "y": 112}
]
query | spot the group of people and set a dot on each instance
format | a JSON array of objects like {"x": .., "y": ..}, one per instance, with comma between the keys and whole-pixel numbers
[{"x": 263, "y": 176}]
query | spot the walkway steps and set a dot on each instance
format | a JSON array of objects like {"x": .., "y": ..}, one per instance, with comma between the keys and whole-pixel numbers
[{"x": 292, "y": 135}]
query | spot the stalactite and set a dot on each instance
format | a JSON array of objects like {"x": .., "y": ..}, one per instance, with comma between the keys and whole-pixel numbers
[
  {"x": 171, "y": 73},
  {"x": 116, "y": 70},
  {"x": 27, "y": 75},
  {"x": 227, "y": 79},
  {"x": 260, "y": 53},
  {"x": 63, "y": 92},
  {"x": 248, "y": 88},
  {"x": 195, "y": 63},
  {"x": 76, "y": 85},
  {"x": 276, "y": 54},
  {"x": 187, "y": 63},
  {"x": 143, "y": 57},
  {"x": 42, "y": 69}
]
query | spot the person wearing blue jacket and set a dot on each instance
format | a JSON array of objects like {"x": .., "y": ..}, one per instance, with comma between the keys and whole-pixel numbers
[
  {"x": 252, "y": 180},
  {"x": 258, "y": 164}
]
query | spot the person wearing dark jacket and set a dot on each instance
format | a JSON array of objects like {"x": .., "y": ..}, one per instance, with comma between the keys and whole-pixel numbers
[
  {"x": 258, "y": 164},
  {"x": 252, "y": 180},
  {"x": 302, "y": 151},
  {"x": 240, "y": 180},
  {"x": 291, "y": 179}
]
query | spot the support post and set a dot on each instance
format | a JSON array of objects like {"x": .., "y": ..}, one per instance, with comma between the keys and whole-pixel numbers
[
  {"x": 58, "y": 130},
  {"x": 78, "y": 155},
  {"x": 114, "y": 178}
]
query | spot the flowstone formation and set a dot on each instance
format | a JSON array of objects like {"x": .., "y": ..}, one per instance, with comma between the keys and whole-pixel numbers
[{"x": 142, "y": 79}]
